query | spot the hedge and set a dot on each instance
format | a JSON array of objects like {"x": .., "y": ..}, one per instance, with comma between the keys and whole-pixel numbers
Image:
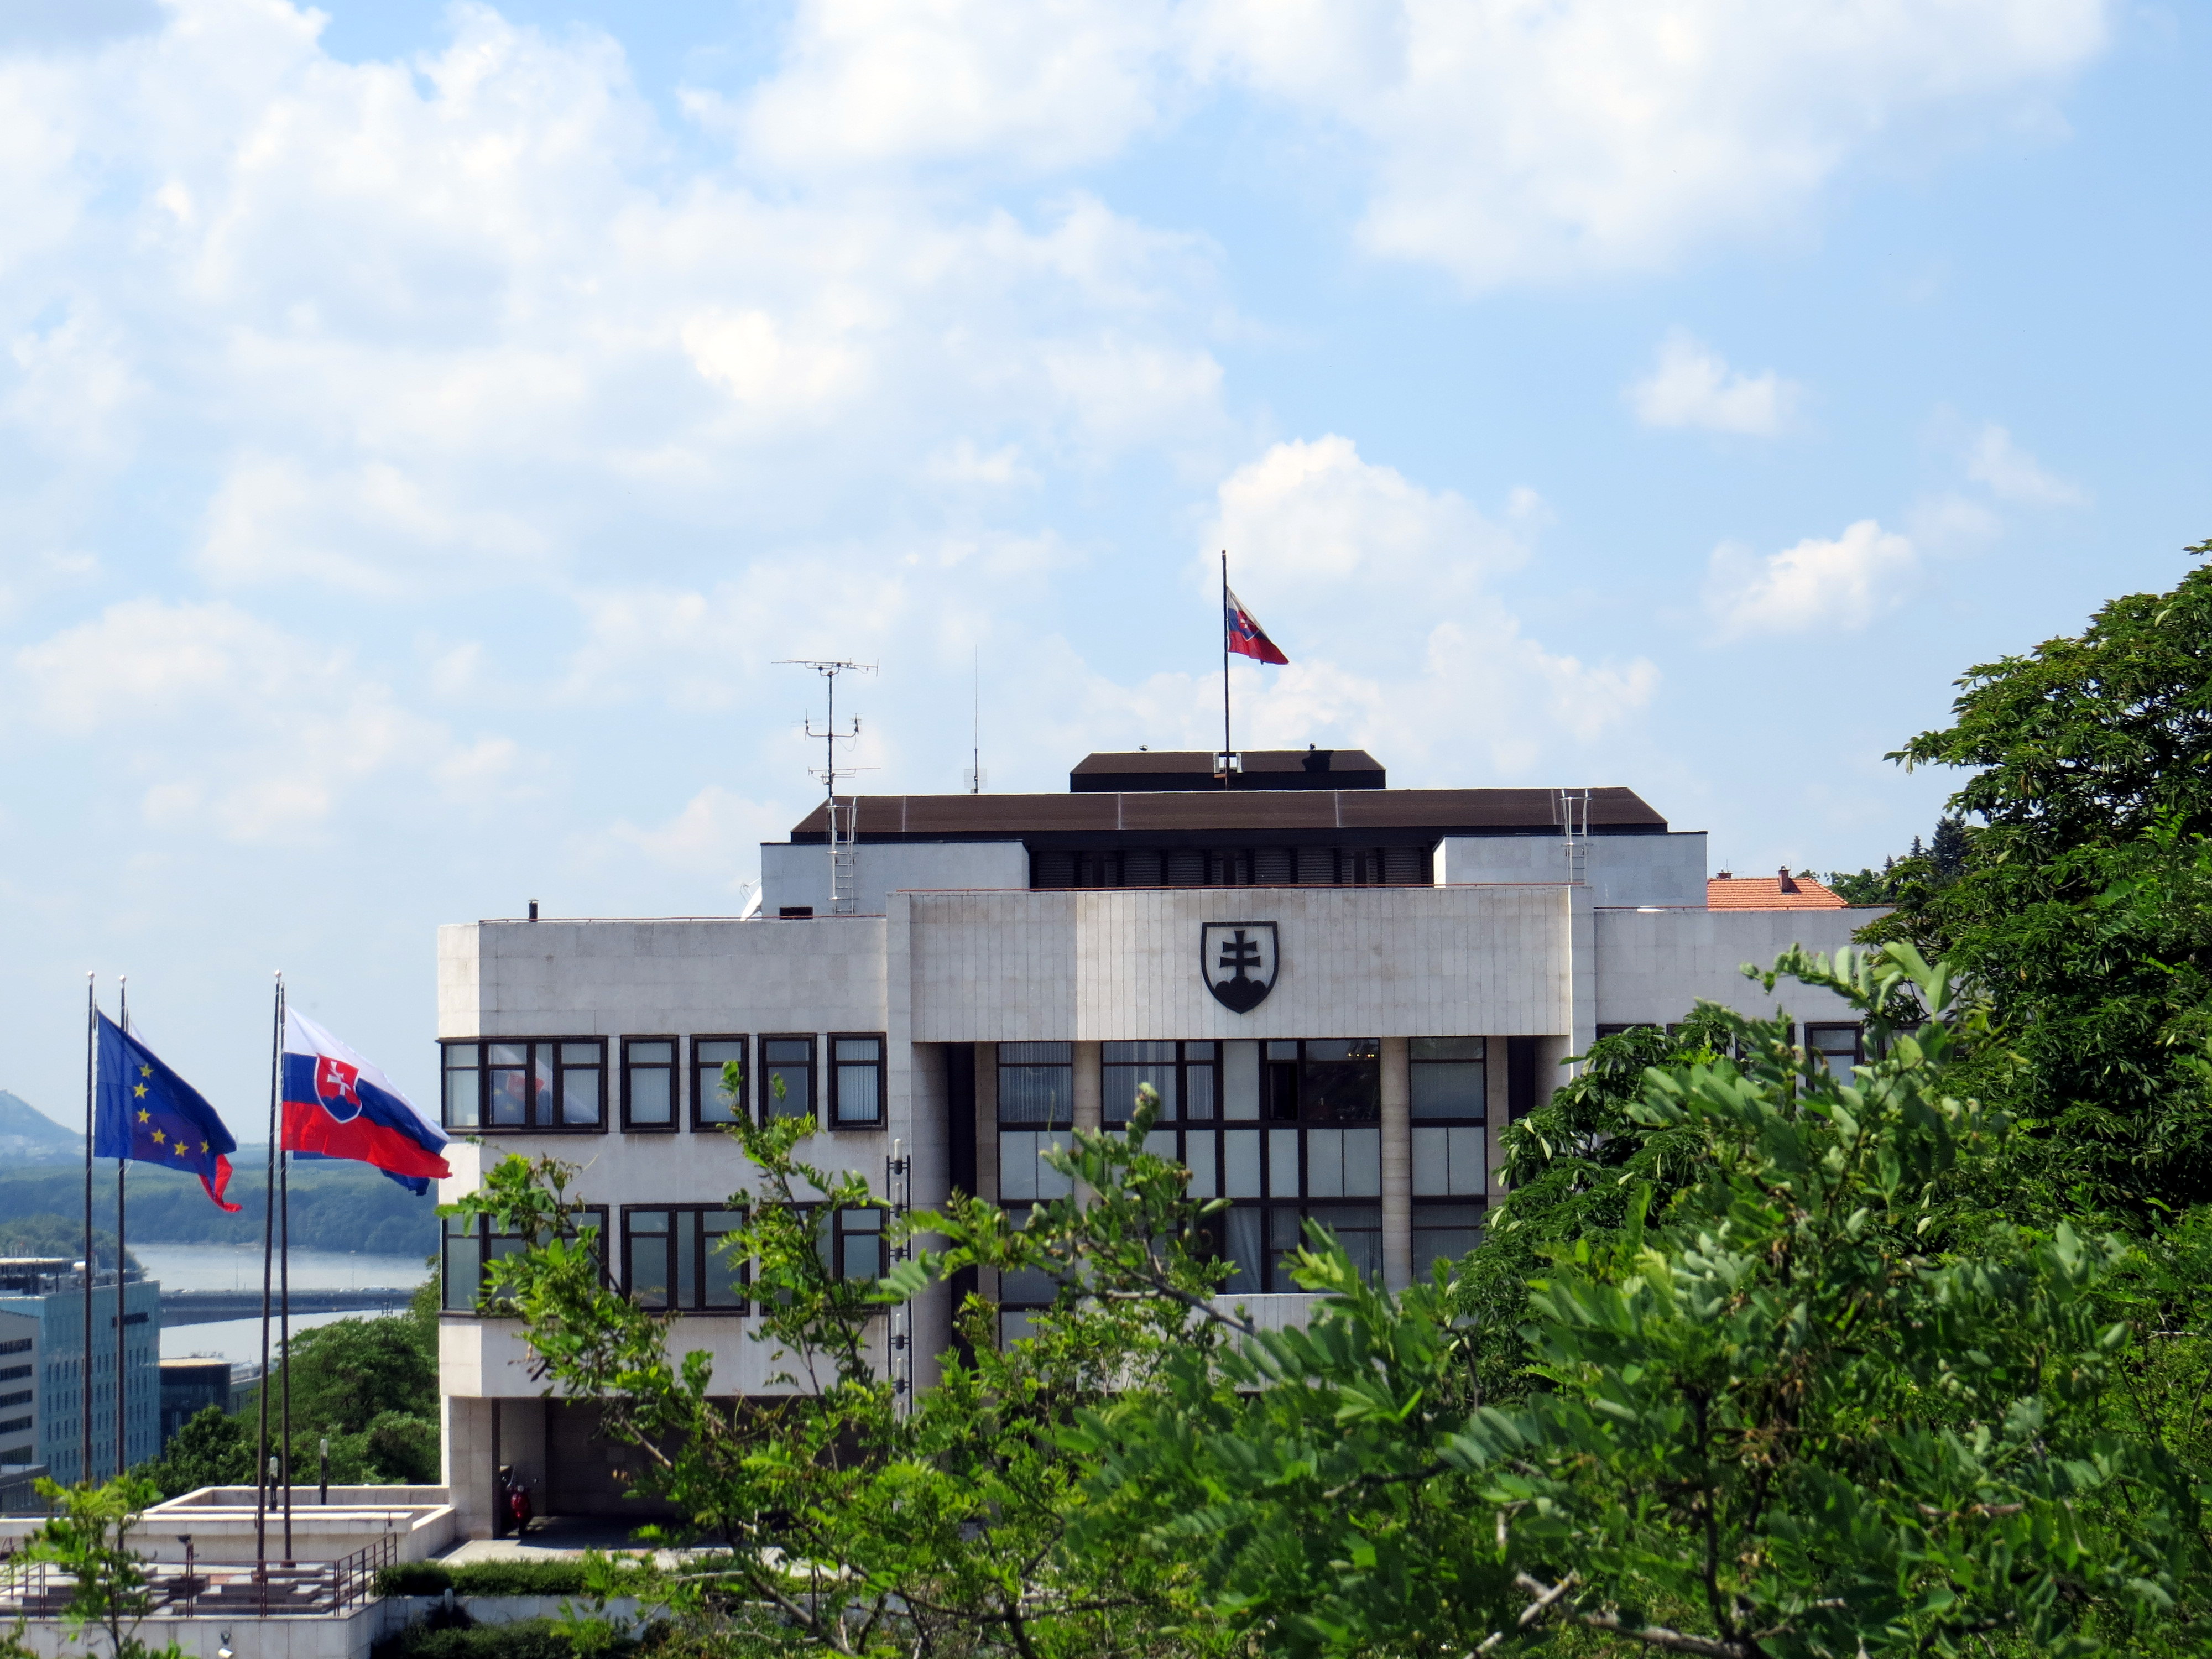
[{"x": 482, "y": 1578}]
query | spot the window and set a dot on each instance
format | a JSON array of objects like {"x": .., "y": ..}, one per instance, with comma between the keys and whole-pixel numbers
[
  {"x": 1036, "y": 1104},
  {"x": 675, "y": 1258},
  {"x": 712, "y": 1101},
  {"x": 549, "y": 1086},
  {"x": 1448, "y": 1079},
  {"x": 1187, "y": 1075},
  {"x": 471, "y": 1245},
  {"x": 1023, "y": 1294},
  {"x": 1840, "y": 1045},
  {"x": 856, "y": 1082},
  {"x": 787, "y": 1077},
  {"x": 852, "y": 1243},
  {"x": 1443, "y": 1232},
  {"x": 649, "y": 1083},
  {"x": 1299, "y": 1135},
  {"x": 1036, "y": 1083}
]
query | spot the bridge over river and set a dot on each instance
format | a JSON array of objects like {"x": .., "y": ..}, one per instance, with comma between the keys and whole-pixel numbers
[{"x": 208, "y": 1307}]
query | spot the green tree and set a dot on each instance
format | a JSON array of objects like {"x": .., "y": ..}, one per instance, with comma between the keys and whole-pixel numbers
[
  {"x": 59, "y": 1237},
  {"x": 2082, "y": 901},
  {"x": 88, "y": 1539},
  {"x": 212, "y": 1449},
  {"x": 1772, "y": 1421}
]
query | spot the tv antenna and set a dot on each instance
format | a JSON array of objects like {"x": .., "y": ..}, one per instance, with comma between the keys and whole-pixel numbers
[
  {"x": 977, "y": 780},
  {"x": 844, "y": 861}
]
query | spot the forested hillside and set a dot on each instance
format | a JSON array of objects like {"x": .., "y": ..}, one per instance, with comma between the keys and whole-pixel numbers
[{"x": 335, "y": 1206}]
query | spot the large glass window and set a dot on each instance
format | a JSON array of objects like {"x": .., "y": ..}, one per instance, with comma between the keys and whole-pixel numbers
[
  {"x": 1036, "y": 1083},
  {"x": 676, "y": 1258},
  {"x": 1443, "y": 1232},
  {"x": 787, "y": 1077},
  {"x": 539, "y": 1086},
  {"x": 1840, "y": 1045},
  {"x": 857, "y": 1081},
  {"x": 852, "y": 1241},
  {"x": 472, "y": 1244},
  {"x": 1188, "y": 1075},
  {"x": 649, "y": 1083},
  {"x": 713, "y": 1102},
  {"x": 1447, "y": 1077}
]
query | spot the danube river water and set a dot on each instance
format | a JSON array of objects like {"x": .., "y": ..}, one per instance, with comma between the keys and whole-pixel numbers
[{"x": 238, "y": 1267}]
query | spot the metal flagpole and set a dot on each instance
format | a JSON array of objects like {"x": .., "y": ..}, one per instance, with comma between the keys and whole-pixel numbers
[
  {"x": 268, "y": 1242},
  {"x": 284, "y": 1313},
  {"x": 1225, "y": 750},
  {"x": 122, "y": 1442},
  {"x": 91, "y": 1058}
]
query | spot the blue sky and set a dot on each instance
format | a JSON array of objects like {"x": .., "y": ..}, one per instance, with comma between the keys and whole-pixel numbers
[{"x": 422, "y": 428}]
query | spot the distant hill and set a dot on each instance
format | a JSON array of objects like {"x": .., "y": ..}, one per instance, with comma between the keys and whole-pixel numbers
[
  {"x": 335, "y": 1206},
  {"x": 28, "y": 1135}
]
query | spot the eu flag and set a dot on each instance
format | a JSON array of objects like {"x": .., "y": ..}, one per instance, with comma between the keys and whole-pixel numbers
[{"x": 147, "y": 1112}]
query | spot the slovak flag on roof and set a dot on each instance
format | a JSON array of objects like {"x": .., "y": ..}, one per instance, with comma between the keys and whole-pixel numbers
[
  {"x": 1246, "y": 637},
  {"x": 338, "y": 1105}
]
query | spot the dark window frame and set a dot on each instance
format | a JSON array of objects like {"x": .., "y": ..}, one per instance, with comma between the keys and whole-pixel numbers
[
  {"x": 1481, "y": 1062},
  {"x": 764, "y": 1104},
  {"x": 880, "y": 1064},
  {"x": 702, "y": 1255},
  {"x": 740, "y": 1104},
  {"x": 484, "y": 1069},
  {"x": 480, "y": 1227},
  {"x": 1004, "y": 1065},
  {"x": 675, "y": 1069},
  {"x": 1181, "y": 1066},
  {"x": 830, "y": 1239},
  {"x": 1858, "y": 1039}
]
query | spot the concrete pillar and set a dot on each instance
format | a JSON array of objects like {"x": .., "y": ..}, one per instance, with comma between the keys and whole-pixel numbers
[
  {"x": 1090, "y": 1096},
  {"x": 1397, "y": 1164},
  {"x": 466, "y": 1468},
  {"x": 987, "y": 1145}
]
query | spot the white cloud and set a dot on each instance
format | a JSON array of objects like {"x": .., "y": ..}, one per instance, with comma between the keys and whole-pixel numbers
[
  {"x": 1376, "y": 587},
  {"x": 715, "y": 837},
  {"x": 1690, "y": 385},
  {"x": 228, "y": 722},
  {"x": 1834, "y": 587},
  {"x": 2011, "y": 474},
  {"x": 1503, "y": 141},
  {"x": 1516, "y": 142}
]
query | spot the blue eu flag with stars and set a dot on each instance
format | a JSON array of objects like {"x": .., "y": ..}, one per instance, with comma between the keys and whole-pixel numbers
[{"x": 146, "y": 1111}]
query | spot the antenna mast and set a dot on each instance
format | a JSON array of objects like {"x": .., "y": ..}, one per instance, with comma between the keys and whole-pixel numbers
[
  {"x": 844, "y": 872},
  {"x": 976, "y": 779}
]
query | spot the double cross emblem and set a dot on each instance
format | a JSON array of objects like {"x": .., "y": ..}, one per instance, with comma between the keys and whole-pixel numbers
[{"x": 1238, "y": 960}]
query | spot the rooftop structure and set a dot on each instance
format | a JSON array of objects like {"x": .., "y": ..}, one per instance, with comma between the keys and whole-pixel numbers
[{"x": 1780, "y": 891}]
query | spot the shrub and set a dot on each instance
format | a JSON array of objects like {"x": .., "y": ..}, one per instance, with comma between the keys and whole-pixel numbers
[
  {"x": 483, "y": 1578},
  {"x": 527, "y": 1638}
]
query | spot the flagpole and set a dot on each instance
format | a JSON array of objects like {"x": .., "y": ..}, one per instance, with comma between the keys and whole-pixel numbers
[
  {"x": 91, "y": 1058},
  {"x": 268, "y": 1241},
  {"x": 1225, "y": 750},
  {"x": 284, "y": 1305},
  {"x": 122, "y": 1441}
]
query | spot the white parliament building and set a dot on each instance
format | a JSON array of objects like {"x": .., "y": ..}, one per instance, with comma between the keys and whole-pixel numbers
[{"x": 1342, "y": 991}]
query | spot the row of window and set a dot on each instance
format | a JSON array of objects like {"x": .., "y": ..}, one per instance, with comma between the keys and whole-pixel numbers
[
  {"x": 1232, "y": 866},
  {"x": 1841, "y": 1046},
  {"x": 676, "y": 1258},
  {"x": 560, "y": 1084},
  {"x": 1312, "y": 1080},
  {"x": 671, "y": 1257}
]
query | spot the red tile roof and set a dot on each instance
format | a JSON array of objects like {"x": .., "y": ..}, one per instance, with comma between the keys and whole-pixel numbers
[{"x": 1726, "y": 892}]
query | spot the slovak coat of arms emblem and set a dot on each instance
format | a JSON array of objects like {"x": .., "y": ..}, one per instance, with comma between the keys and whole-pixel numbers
[{"x": 1238, "y": 959}]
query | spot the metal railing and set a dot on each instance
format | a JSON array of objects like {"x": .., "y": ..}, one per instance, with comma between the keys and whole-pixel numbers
[{"x": 39, "y": 1589}]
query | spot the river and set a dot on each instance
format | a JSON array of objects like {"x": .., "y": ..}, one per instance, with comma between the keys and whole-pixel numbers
[{"x": 238, "y": 1267}]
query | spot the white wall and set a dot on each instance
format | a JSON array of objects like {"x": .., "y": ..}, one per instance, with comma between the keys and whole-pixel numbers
[
  {"x": 1653, "y": 966},
  {"x": 1120, "y": 964},
  {"x": 1620, "y": 870},
  {"x": 800, "y": 875}
]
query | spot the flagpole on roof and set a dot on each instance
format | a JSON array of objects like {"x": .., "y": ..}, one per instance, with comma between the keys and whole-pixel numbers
[
  {"x": 123, "y": 1007},
  {"x": 1225, "y": 749},
  {"x": 91, "y": 1055},
  {"x": 268, "y": 1240}
]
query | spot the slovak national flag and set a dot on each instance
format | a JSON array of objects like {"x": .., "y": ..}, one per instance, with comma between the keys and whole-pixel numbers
[
  {"x": 338, "y": 1105},
  {"x": 1246, "y": 637}
]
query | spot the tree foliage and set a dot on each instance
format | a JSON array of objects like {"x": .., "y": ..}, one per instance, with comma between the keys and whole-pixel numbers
[{"x": 2082, "y": 900}]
